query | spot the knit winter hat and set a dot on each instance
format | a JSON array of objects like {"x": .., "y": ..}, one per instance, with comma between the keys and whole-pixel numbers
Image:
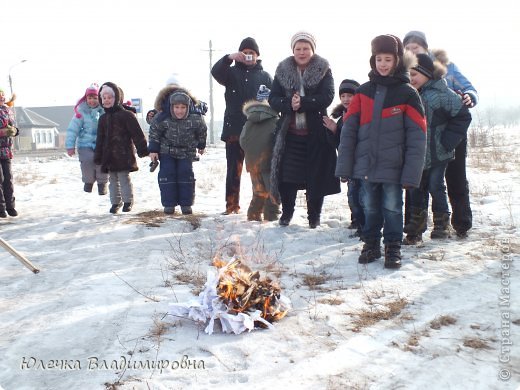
[
  {"x": 263, "y": 93},
  {"x": 348, "y": 86},
  {"x": 249, "y": 43},
  {"x": 107, "y": 89},
  {"x": 304, "y": 36},
  {"x": 416, "y": 37},
  {"x": 424, "y": 65},
  {"x": 93, "y": 89},
  {"x": 173, "y": 80}
]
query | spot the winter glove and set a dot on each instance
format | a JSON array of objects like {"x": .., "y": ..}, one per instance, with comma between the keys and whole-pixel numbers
[
  {"x": 10, "y": 131},
  {"x": 71, "y": 152}
]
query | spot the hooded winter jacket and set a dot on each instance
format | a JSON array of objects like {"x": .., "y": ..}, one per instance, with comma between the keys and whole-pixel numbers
[
  {"x": 257, "y": 137},
  {"x": 118, "y": 132}
]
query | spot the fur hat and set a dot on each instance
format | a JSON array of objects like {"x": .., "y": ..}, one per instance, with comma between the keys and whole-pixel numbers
[
  {"x": 303, "y": 36},
  {"x": 387, "y": 44},
  {"x": 93, "y": 89},
  {"x": 348, "y": 86},
  {"x": 180, "y": 98},
  {"x": 416, "y": 37},
  {"x": 249, "y": 43},
  {"x": 263, "y": 93},
  {"x": 424, "y": 65}
]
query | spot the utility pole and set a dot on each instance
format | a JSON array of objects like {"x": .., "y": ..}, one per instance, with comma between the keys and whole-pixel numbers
[{"x": 211, "y": 110}]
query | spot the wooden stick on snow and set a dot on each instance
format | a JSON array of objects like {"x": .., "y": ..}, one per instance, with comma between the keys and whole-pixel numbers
[{"x": 19, "y": 256}]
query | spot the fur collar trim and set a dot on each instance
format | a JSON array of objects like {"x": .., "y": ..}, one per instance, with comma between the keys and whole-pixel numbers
[
  {"x": 164, "y": 94},
  {"x": 287, "y": 73},
  {"x": 441, "y": 56},
  {"x": 256, "y": 105}
]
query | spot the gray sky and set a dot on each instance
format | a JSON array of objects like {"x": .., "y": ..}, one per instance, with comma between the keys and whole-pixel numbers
[{"x": 137, "y": 45}]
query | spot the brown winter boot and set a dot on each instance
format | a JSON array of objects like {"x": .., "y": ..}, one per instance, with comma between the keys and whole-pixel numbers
[
  {"x": 254, "y": 212},
  {"x": 412, "y": 239},
  {"x": 417, "y": 223},
  {"x": 441, "y": 226}
]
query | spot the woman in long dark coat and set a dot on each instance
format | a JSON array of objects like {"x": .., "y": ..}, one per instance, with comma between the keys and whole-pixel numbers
[{"x": 304, "y": 155}]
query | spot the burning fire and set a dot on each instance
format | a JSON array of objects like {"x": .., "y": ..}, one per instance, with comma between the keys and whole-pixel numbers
[{"x": 243, "y": 290}]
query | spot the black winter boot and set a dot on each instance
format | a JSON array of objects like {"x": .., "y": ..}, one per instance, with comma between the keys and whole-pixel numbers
[
  {"x": 115, "y": 208},
  {"x": 288, "y": 194},
  {"x": 417, "y": 222},
  {"x": 441, "y": 226},
  {"x": 393, "y": 255},
  {"x": 314, "y": 211},
  {"x": 186, "y": 210},
  {"x": 127, "y": 206},
  {"x": 370, "y": 252}
]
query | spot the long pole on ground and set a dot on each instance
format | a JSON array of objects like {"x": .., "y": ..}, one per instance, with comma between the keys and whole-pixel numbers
[{"x": 19, "y": 256}]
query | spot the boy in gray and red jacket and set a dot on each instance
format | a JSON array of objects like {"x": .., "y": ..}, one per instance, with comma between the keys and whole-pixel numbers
[{"x": 383, "y": 143}]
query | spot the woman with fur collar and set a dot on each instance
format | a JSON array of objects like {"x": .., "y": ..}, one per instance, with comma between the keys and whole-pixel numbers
[{"x": 304, "y": 156}]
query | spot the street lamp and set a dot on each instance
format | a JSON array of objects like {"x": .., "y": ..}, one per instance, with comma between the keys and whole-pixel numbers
[{"x": 10, "y": 78}]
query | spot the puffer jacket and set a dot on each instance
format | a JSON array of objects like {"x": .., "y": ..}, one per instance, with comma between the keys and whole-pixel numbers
[
  {"x": 383, "y": 139},
  {"x": 178, "y": 138},
  {"x": 448, "y": 120},
  {"x": 82, "y": 132},
  {"x": 454, "y": 77},
  {"x": 257, "y": 135},
  {"x": 119, "y": 134},
  {"x": 242, "y": 83}
]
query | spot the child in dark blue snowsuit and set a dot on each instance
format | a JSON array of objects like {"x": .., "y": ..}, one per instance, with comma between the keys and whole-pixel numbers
[{"x": 174, "y": 141}]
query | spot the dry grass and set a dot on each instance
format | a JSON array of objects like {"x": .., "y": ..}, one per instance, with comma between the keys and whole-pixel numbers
[
  {"x": 442, "y": 321},
  {"x": 476, "y": 343},
  {"x": 315, "y": 280},
  {"x": 154, "y": 218},
  {"x": 374, "y": 315},
  {"x": 333, "y": 301}
]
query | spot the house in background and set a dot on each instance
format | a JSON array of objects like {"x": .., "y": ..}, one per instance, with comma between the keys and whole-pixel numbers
[
  {"x": 61, "y": 115},
  {"x": 36, "y": 131}
]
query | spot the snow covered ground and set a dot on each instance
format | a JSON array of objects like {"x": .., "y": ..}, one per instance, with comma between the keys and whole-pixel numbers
[{"x": 96, "y": 315}]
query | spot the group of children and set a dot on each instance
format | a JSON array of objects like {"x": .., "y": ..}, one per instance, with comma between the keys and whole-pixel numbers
[
  {"x": 399, "y": 135},
  {"x": 107, "y": 134},
  {"x": 397, "y": 131}
]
